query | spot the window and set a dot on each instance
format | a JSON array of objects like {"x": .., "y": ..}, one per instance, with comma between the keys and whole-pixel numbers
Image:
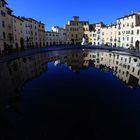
[
  {"x": 119, "y": 39},
  {"x": 130, "y": 60},
  {"x": 3, "y": 13},
  {"x": 3, "y": 24},
  {"x": 139, "y": 72},
  {"x": 3, "y": 4},
  {"x": 133, "y": 70},
  {"x": 132, "y": 25},
  {"x": 132, "y": 40},
  {"x": 4, "y": 36},
  {"x": 138, "y": 31}
]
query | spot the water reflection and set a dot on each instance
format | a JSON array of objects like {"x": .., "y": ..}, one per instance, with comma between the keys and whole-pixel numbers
[
  {"x": 55, "y": 112},
  {"x": 124, "y": 67},
  {"x": 15, "y": 73}
]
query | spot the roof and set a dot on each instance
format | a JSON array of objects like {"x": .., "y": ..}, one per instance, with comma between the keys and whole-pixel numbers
[
  {"x": 35, "y": 21},
  {"x": 17, "y": 17},
  {"x": 32, "y": 19},
  {"x": 84, "y": 21},
  {"x": 51, "y": 32},
  {"x": 4, "y": 1},
  {"x": 132, "y": 14},
  {"x": 114, "y": 24},
  {"x": 9, "y": 9},
  {"x": 23, "y": 18},
  {"x": 75, "y": 17}
]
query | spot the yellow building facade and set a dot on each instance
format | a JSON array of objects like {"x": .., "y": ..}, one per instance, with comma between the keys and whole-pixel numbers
[{"x": 74, "y": 29}]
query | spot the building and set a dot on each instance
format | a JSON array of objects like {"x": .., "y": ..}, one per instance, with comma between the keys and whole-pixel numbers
[
  {"x": 74, "y": 29},
  {"x": 123, "y": 33},
  {"x": 126, "y": 28},
  {"x": 34, "y": 33},
  {"x": 41, "y": 34},
  {"x": 51, "y": 38},
  {"x": 109, "y": 35},
  {"x": 18, "y": 33},
  {"x": 95, "y": 34},
  {"x": 61, "y": 34},
  {"x": 6, "y": 29},
  {"x": 27, "y": 33},
  {"x": 88, "y": 29},
  {"x": 3, "y": 44}
]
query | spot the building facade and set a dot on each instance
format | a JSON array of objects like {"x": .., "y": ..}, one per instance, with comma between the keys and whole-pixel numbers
[
  {"x": 6, "y": 27},
  {"x": 18, "y": 33},
  {"x": 61, "y": 34},
  {"x": 124, "y": 33},
  {"x": 74, "y": 29},
  {"x": 126, "y": 28},
  {"x": 51, "y": 38}
]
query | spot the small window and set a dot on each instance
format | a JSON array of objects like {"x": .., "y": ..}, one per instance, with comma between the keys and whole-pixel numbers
[
  {"x": 3, "y": 24},
  {"x": 4, "y": 36},
  {"x": 3, "y": 4},
  {"x": 3, "y": 13},
  {"x": 139, "y": 72},
  {"x": 133, "y": 70}
]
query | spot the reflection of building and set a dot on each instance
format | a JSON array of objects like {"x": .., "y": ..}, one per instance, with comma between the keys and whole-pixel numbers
[
  {"x": 126, "y": 68},
  {"x": 14, "y": 74}
]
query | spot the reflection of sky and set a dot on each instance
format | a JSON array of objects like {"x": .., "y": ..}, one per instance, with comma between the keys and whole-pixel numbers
[
  {"x": 61, "y": 102},
  {"x": 91, "y": 80},
  {"x": 60, "y": 91}
]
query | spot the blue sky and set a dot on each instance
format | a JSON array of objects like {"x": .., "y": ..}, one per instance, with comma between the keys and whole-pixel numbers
[{"x": 58, "y": 12}]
